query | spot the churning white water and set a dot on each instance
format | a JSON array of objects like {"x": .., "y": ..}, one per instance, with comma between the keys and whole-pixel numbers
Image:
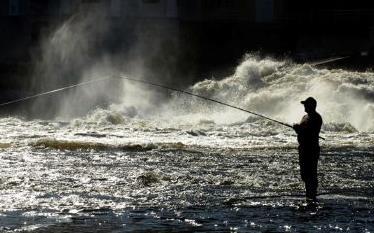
[{"x": 275, "y": 88}]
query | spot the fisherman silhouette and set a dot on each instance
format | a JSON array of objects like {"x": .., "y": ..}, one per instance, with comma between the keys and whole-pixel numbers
[{"x": 308, "y": 137}]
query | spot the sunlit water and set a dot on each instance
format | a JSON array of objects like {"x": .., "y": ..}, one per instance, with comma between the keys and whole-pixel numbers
[{"x": 191, "y": 169}]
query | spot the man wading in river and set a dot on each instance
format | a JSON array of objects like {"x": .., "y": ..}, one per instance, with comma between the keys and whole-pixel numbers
[{"x": 308, "y": 138}]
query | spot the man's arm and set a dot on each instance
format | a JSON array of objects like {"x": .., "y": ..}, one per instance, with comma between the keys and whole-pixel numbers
[
  {"x": 302, "y": 126},
  {"x": 297, "y": 128}
]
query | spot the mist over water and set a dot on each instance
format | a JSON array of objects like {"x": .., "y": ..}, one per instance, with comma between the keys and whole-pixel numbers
[{"x": 91, "y": 45}]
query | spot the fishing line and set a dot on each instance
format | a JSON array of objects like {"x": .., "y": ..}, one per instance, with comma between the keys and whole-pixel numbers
[
  {"x": 317, "y": 63},
  {"x": 52, "y": 92}
]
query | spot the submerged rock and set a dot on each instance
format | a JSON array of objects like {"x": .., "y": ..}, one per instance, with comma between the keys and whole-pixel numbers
[
  {"x": 148, "y": 178},
  {"x": 86, "y": 146},
  {"x": 196, "y": 133}
]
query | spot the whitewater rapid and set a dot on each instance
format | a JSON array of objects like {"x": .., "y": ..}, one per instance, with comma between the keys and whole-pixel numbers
[{"x": 266, "y": 86}]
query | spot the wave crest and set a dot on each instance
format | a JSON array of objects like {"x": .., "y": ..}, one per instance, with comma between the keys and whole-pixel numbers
[
  {"x": 102, "y": 117},
  {"x": 72, "y": 145},
  {"x": 339, "y": 127}
]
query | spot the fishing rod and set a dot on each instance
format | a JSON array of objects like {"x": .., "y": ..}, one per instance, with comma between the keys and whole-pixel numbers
[
  {"x": 333, "y": 59},
  {"x": 206, "y": 98},
  {"x": 53, "y": 91},
  {"x": 317, "y": 63}
]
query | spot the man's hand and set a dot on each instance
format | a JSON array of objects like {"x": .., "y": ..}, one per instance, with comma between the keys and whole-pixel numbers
[{"x": 296, "y": 127}]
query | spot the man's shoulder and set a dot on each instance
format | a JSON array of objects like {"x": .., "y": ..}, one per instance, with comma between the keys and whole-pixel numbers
[
  {"x": 317, "y": 117},
  {"x": 305, "y": 118}
]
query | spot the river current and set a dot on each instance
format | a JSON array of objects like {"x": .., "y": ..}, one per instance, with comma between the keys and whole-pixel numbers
[{"x": 189, "y": 165}]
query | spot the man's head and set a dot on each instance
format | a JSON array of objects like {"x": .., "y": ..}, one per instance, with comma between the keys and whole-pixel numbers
[{"x": 310, "y": 104}]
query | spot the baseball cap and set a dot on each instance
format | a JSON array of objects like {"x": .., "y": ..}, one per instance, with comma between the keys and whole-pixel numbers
[{"x": 309, "y": 101}]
